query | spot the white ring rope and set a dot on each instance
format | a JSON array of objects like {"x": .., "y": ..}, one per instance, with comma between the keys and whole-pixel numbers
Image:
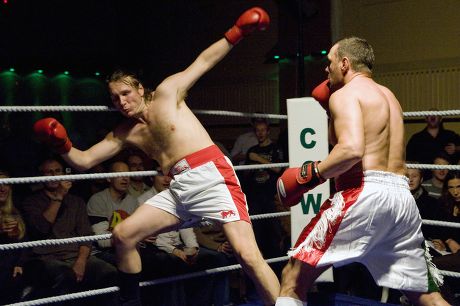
[
  {"x": 58, "y": 108},
  {"x": 102, "y": 108},
  {"x": 73, "y": 177},
  {"x": 433, "y": 167},
  {"x": 441, "y": 223},
  {"x": 113, "y": 289},
  {"x": 99, "y": 108},
  {"x": 70, "y": 177},
  {"x": 49, "y": 242}
]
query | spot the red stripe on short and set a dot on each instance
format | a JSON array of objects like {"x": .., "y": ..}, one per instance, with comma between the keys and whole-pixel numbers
[
  {"x": 313, "y": 257},
  {"x": 233, "y": 185}
]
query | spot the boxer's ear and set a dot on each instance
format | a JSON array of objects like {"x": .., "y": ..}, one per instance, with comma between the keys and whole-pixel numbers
[
  {"x": 345, "y": 64},
  {"x": 140, "y": 90}
]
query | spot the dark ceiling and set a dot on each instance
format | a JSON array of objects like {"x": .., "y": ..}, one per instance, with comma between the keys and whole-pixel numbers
[
  {"x": 94, "y": 33},
  {"x": 89, "y": 35}
]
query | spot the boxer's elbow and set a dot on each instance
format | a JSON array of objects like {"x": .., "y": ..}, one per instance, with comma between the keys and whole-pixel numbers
[
  {"x": 79, "y": 160},
  {"x": 352, "y": 153}
]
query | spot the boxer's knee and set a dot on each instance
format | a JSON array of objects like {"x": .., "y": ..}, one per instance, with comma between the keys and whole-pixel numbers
[
  {"x": 250, "y": 258},
  {"x": 121, "y": 237}
]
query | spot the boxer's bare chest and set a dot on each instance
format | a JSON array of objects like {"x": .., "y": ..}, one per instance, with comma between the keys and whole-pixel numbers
[{"x": 153, "y": 136}]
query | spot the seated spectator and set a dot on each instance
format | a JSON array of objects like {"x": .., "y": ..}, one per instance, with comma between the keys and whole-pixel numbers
[
  {"x": 213, "y": 239},
  {"x": 12, "y": 229},
  {"x": 184, "y": 252},
  {"x": 86, "y": 188},
  {"x": 243, "y": 142},
  {"x": 447, "y": 242},
  {"x": 189, "y": 257},
  {"x": 157, "y": 263},
  {"x": 427, "y": 205},
  {"x": 109, "y": 207},
  {"x": 137, "y": 186},
  {"x": 54, "y": 213},
  {"x": 260, "y": 188},
  {"x": 434, "y": 185},
  {"x": 424, "y": 145}
]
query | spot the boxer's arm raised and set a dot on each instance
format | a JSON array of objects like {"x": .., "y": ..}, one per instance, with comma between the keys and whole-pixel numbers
[
  {"x": 250, "y": 20},
  {"x": 348, "y": 126}
]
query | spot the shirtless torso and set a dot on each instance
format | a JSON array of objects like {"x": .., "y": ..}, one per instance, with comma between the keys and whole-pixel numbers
[
  {"x": 168, "y": 131},
  {"x": 382, "y": 132}
]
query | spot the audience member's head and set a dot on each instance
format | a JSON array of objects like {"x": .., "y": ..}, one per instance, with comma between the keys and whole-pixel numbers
[
  {"x": 160, "y": 181},
  {"x": 135, "y": 163},
  {"x": 8, "y": 213},
  {"x": 51, "y": 167},
  {"x": 451, "y": 193},
  {"x": 440, "y": 159},
  {"x": 118, "y": 185},
  {"x": 262, "y": 131},
  {"x": 415, "y": 177},
  {"x": 433, "y": 121}
]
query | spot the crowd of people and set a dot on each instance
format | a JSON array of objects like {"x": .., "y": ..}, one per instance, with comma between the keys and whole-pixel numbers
[{"x": 64, "y": 209}]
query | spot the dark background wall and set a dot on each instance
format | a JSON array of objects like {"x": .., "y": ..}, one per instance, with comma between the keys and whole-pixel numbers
[{"x": 156, "y": 39}]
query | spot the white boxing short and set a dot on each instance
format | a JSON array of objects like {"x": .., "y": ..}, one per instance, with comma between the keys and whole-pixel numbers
[
  {"x": 375, "y": 222},
  {"x": 204, "y": 186}
]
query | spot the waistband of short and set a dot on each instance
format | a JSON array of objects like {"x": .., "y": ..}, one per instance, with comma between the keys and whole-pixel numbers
[
  {"x": 196, "y": 159},
  {"x": 386, "y": 178},
  {"x": 372, "y": 176}
]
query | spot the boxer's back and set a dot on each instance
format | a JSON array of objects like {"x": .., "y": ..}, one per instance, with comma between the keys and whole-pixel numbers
[{"x": 383, "y": 128}]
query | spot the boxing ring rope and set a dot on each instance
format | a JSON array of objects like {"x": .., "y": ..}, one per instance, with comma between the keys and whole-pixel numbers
[
  {"x": 102, "y": 108},
  {"x": 83, "y": 294},
  {"x": 92, "y": 238},
  {"x": 22, "y": 180},
  {"x": 70, "y": 177},
  {"x": 88, "y": 176}
]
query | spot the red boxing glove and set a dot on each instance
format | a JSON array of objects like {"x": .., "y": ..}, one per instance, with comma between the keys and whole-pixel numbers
[
  {"x": 254, "y": 18},
  {"x": 51, "y": 132},
  {"x": 321, "y": 93},
  {"x": 296, "y": 181}
]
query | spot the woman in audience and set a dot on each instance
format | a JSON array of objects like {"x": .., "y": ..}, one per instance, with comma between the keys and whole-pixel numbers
[
  {"x": 12, "y": 229},
  {"x": 447, "y": 242}
]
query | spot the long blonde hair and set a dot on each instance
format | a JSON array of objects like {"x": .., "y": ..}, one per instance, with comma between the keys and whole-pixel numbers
[{"x": 7, "y": 209}]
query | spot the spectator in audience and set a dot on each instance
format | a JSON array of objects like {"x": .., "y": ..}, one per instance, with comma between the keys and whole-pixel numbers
[
  {"x": 54, "y": 213},
  {"x": 86, "y": 188},
  {"x": 244, "y": 142},
  {"x": 189, "y": 257},
  {"x": 184, "y": 253},
  {"x": 12, "y": 229},
  {"x": 20, "y": 152},
  {"x": 109, "y": 207},
  {"x": 137, "y": 186},
  {"x": 155, "y": 262},
  {"x": 424, "y": 145},
  {"x": 434, "y": 185},
  {"x": 259, "y": 186},
  {"x": 212, "y": 239},
  {"x": 449, "y": 210},
  {"x": 447, "y": 242},
  {"x": 427, "y": 205}
]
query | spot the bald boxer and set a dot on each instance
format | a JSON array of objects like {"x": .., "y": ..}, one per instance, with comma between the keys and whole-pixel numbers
[
  {"x": 204, "y": 183},
  {"x": 372, "y": 218}
]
